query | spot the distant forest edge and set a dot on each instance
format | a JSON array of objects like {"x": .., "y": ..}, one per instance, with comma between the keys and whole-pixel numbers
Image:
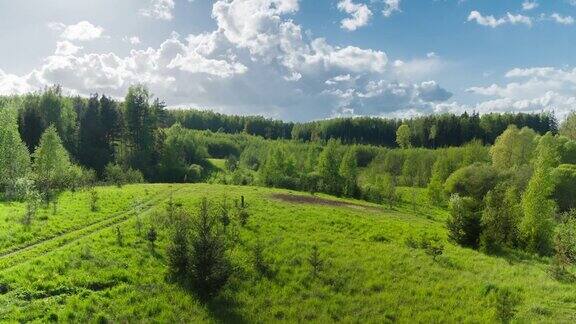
[
  {"x": 38, "y": 110},
  {"x": 430, "y": 131}
]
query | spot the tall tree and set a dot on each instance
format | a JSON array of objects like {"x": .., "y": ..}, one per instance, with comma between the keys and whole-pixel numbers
[
  {"x": 52, "y": 166},
  {"x": 328, "y": 167},
  {"x": 30, "y": 122},
  {"x": 404, "y": 136},
  {"x": 513, "y": 148},
  {"x": 537, "y": 225},
  {"x": 568, "y": 127},
  {"x": 14, "y": 156},
  {"x": 349, "y": 172},
  {"x": 93, "y": 150},
  {"x": 140, "y": 119}
]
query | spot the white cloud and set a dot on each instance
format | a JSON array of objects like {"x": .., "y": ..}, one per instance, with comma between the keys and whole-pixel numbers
[
  {"x": 391, "y": 6},
  {"x": 133, "y": 40},
  {"x": 491, "y": 21},
  {"x": 533, "y": 89},
  {"x": 159, "y": 9},
  {"x": 66, "y": 48},
  {"x": 361, "y": 14},
  {"x": 82, "y": 31},
  {"x": 529, "y": 5},
  {"x": 485, "y": 20},
  {"x": 12, "y": 84},
  {"x": 564, "y": 20},
  {"x": 519, "y": 19},
  {"x": 258, "y": 61}
]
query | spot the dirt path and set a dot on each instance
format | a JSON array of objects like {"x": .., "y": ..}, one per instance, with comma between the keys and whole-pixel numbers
[
  {"x": 314, "y": 200},
  {"x": 14, "y": 257}
]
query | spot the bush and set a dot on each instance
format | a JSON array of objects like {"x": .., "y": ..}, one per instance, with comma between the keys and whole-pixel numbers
[
  {"x": 565, "y": 189},
  {"x": 464, "y": 221},
  {"x": 565, "y": 240},
  {"x": 472, "y": 181},
  {"x": 504, "y": 302},
  {"x": 115, "y": 174},
  {"x": 209, "y": 265},
  {"x": 20, "y": 189}
]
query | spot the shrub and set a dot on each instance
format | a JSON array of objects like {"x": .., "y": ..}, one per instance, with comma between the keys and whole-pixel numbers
[
  {"x": 565, "y": 240},
  {"x": 115, "y": 174},
  {"x": 315, "y": 261},
  {"x": 178, "y": 252},
  {"x": 209, "y": 265},
  {"x": 93, "y": 200},
  {"x": 464, "y": 221},
  {"x": 152, "y": 236},
  {"x": 504, "y": 302},
  {"x": 472, "y": 181},
  {"x": 565, "y": 189}
]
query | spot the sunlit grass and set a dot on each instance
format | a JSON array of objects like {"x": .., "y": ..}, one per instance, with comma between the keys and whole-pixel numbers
[{"x": 369, "y": 272}]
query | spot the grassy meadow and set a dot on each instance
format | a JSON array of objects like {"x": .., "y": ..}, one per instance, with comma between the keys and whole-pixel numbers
[{"x": 82, "y": 266}]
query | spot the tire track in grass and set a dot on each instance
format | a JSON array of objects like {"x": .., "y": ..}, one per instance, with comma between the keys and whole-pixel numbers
[
  {"x": 16, "y": 248},
  {"x": 43, "y": 247}
]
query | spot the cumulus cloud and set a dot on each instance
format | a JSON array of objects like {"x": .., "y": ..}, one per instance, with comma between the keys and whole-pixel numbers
[
  {"x": 133, "y": 40},
  {"x": 256, "y": 60},
  {"x": 491, "y": 21},
  {"x": 360, "y": 13},
  {"x": 159, "y": 9},
  {"x": 66, "y": 48},
  {"x": 390, "y": 7},
  {"x": 529, "y": 5},
  {"x": 564, "y": 20},
  {"x": 12, "y": 84},
  {"x": 531, "y": 89},
  {"x": 82, "y": 31}
]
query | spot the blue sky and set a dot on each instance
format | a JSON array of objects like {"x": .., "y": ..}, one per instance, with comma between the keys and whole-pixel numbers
[{"x": 300, "y": 59}]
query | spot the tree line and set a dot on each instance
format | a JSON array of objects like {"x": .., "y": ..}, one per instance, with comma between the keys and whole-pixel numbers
[{"x": 431, "y": 131}]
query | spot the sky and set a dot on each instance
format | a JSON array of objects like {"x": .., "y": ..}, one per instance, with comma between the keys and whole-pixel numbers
[{"x": 300, "y": 60}]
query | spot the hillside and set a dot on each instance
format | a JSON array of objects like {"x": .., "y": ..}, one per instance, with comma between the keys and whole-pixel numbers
[{"x": 72, "y": 266}]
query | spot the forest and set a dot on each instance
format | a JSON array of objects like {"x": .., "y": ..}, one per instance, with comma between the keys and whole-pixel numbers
[{"x": 507, "y": 181}]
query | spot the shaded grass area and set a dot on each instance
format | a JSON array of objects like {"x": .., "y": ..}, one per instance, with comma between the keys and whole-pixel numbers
[{"x": 369, "y": 274}]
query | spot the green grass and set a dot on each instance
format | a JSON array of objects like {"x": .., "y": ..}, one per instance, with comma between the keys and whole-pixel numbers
[
  {"x": 78, "y": 272},
  {"x": 219, "y": 164}
]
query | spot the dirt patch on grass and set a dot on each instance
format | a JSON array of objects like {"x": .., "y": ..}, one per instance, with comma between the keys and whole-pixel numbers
[{"x": 314, "y": 200}]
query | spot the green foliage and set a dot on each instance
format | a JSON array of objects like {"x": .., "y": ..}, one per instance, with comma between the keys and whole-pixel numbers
[
  {"x": 430, "y": 243},
  {"x": 568, "y": 127},
  {"x": 209, "y": 264},
  {"x": 315, "y": 261},
  {"x": 14, "y": 156},
  {"x": 472, "y": 181},
  {"x": 500, "y": 219},
  {"x": 513, "y": 148},
  {"x": 464, "y": 222},
  {"x": 565, "y": 187},
  {"x": 349, "y": 172},
  {"x": 181, "y": 156},
  {"x": 403, "y": 136},
  {"x": 537, "y": 225},
  {"x": 141, "y": 117},
  {"x": 504, "y": 302},
  {"x": 279, "y": 169},
  {"x": 328, "y": 167},
  {"x": 53, "y": 171},
  {"x": 119, "y": 176},
  {"x": 565, "y": 240}
]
